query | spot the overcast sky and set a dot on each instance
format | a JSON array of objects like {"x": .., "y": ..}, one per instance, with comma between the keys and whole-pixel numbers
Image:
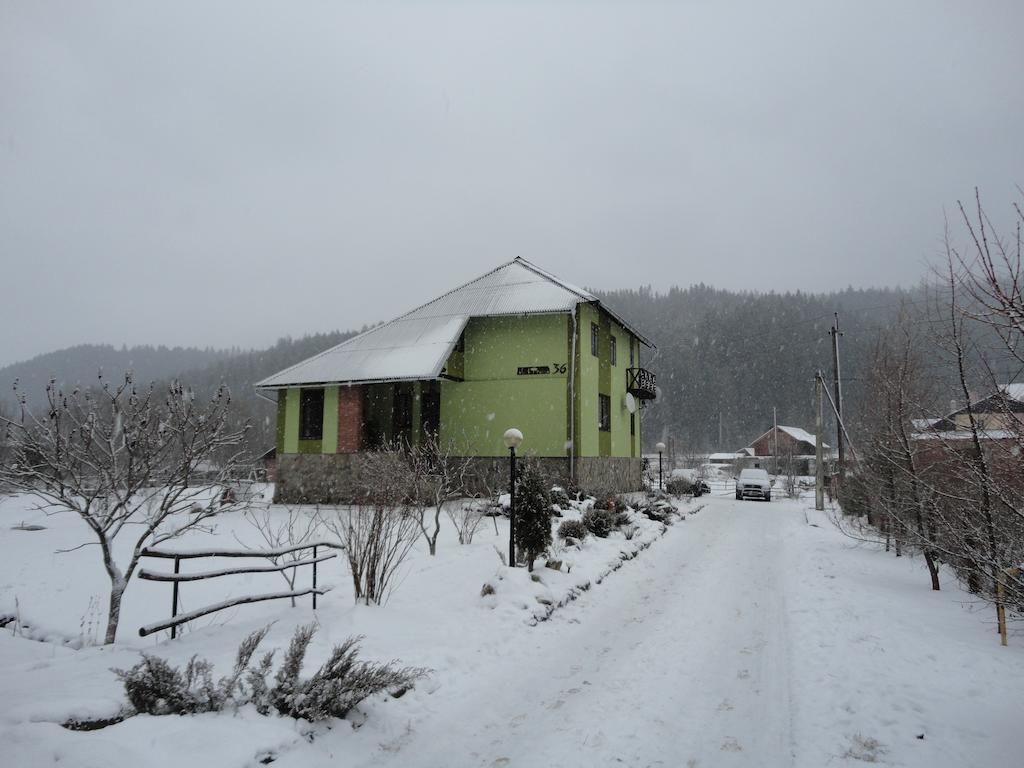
[{"x": 220, "y": 174}]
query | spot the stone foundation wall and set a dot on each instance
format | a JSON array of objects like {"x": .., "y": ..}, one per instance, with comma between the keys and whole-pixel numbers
[
  {"x": 609, "y": 474},
  {"x": 314, "y": 478},
  {"x": 310, "y": 478}
]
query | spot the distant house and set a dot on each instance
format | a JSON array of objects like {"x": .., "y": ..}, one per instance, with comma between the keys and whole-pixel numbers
[
  {"x": 1001, "y": 411},
  {"x": 516, "y": 347},
  {"x": 785, "y": 441},
  {"x": 1000, "y": 420},
  {"x": 793, "y": 445}
]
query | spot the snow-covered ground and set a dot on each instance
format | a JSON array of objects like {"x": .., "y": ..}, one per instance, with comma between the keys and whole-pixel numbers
[{"x": 748, "y": 634}]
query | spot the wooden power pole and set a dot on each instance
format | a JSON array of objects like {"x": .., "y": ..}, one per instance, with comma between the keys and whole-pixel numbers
[
  {"x": 838, "y": 388},
  {"x": 819, "y": 458}
]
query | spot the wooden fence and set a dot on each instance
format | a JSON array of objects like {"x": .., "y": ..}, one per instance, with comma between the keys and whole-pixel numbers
[{"x": 178, "y": 578}]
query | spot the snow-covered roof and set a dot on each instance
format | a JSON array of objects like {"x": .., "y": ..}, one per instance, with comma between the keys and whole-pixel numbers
[
  {"x": 796, "y": 433},
  {"x": 1015, "y": 391},
  {"x": 417, "y": 344},
  {"x": 966, "y": 434},
  {"x": 724, "y": 456},
  {"x": 922, "y": 424}
]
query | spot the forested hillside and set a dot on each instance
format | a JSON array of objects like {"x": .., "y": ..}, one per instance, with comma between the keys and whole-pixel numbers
[
  {"x": 80, "y": 365},
  {"x": 203, "y": 370},
  {"x": 724, "y": 359}
]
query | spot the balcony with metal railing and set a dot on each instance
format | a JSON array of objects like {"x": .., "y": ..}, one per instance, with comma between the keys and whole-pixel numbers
[{"x": 641, "y": 383}]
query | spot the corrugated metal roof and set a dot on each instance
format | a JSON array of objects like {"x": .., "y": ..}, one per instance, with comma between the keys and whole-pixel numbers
[{"x": 417, "y": 344}]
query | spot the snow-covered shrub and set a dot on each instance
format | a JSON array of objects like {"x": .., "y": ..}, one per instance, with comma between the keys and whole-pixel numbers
[
  {"x": 607, "y": 500},
  {"x": 343, "y": 681},
  {"x": 621, "y": 519},
  {"x": 629, "y": 532},
  {"x": 679, "y": 486},
  {"x": 599, "y": 522},
  {"x": 572, "y": 529},
  {"x": 533, "y": 514},
  {"x": 155, "y": 687},
  {"x": 559, "y": 496},
  {"x": 659, "y": 511}
]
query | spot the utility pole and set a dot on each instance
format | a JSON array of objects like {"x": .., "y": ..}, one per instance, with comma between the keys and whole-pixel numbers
[
  {"x": 819, "y": 458},
  {"x": 838, "y": 384},
  {"x": 775, "y": 437}
]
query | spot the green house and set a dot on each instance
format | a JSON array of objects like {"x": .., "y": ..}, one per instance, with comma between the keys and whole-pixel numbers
[{"x": 516, "y": 347}]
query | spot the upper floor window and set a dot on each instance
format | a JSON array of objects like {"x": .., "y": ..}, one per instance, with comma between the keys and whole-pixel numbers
[
  {"x": 311, "y": 414},
  {"x": 604, "y": 413},
  {"x": 614, "y": 351},
  {"x": 595, "y": 337},
  {"x": 632, "y": 359}
]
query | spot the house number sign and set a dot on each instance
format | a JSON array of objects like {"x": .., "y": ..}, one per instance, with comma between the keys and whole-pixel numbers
[{"x": 541, "y": 370}]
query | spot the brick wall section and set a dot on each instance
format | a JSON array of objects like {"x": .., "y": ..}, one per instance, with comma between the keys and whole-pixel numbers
[{"x": 350, "y": 419}]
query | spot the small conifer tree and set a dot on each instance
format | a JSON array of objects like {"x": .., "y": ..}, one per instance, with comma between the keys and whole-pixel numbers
[{"x": 533, "y": 514}]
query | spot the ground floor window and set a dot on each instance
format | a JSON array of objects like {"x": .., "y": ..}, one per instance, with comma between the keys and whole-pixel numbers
[
  {"x": 604, "y": 413},
  {"x": 632, "y": 424},
  {"x": 311, "y": 414}
]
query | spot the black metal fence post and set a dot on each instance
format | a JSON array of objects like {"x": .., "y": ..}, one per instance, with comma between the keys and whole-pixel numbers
[
  {"x": 314, "y": 577},
  {"x": 174, "y": 597}
]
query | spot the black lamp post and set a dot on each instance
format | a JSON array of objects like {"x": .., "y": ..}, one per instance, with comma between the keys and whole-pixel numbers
[
  {"x": 513, "y": 437},
  {"x": 661, "y": 449}
]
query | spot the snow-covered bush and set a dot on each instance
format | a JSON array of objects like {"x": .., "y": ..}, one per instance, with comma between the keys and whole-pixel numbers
[
  {"x": 560, "y": 497},
  {"x": 679, "y": 485},
  {"x": 572, "y": 529},
  {"x": 599, "y": 522},
  {"x": 608, "y": 501},
  {"x": 533, "y": 515},
  {"x": 155, "y": 687},
  {"x": 658, "y": 510}
]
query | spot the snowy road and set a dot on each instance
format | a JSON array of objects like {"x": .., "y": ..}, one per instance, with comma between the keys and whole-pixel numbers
[{"x": 680, "y": 659}]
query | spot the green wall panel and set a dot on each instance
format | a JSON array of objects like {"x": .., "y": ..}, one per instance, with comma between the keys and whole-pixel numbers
[
  {"x": 291, "y": 422},
  {"x": 282, "y": 406},
  {"x": 586, "y": 386},
  {"x": 494, "y": 396},
  {"x": 330, "y": 441},
  {"x": 475, "y": 415}
]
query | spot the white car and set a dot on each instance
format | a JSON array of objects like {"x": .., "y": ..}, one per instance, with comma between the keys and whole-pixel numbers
[{"x": 753, "y": 484}]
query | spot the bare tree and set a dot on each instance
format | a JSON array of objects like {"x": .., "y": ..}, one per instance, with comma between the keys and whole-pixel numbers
[
  {"x": 437, "y": 478},
  {"x": 466, "y": 518},
  {"x": 377, "y": 532},
  {"x": 291, "y": 528},
  {"x": 125, "y": 461}
]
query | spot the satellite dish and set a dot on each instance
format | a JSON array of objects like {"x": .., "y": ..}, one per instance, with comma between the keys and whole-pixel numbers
[{"x": 630, "y": 403}]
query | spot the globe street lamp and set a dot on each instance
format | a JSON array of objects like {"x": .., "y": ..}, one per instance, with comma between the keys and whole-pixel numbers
[
  {"x": 513, "y": 437},
  {"x": 661, "y": 450}
]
